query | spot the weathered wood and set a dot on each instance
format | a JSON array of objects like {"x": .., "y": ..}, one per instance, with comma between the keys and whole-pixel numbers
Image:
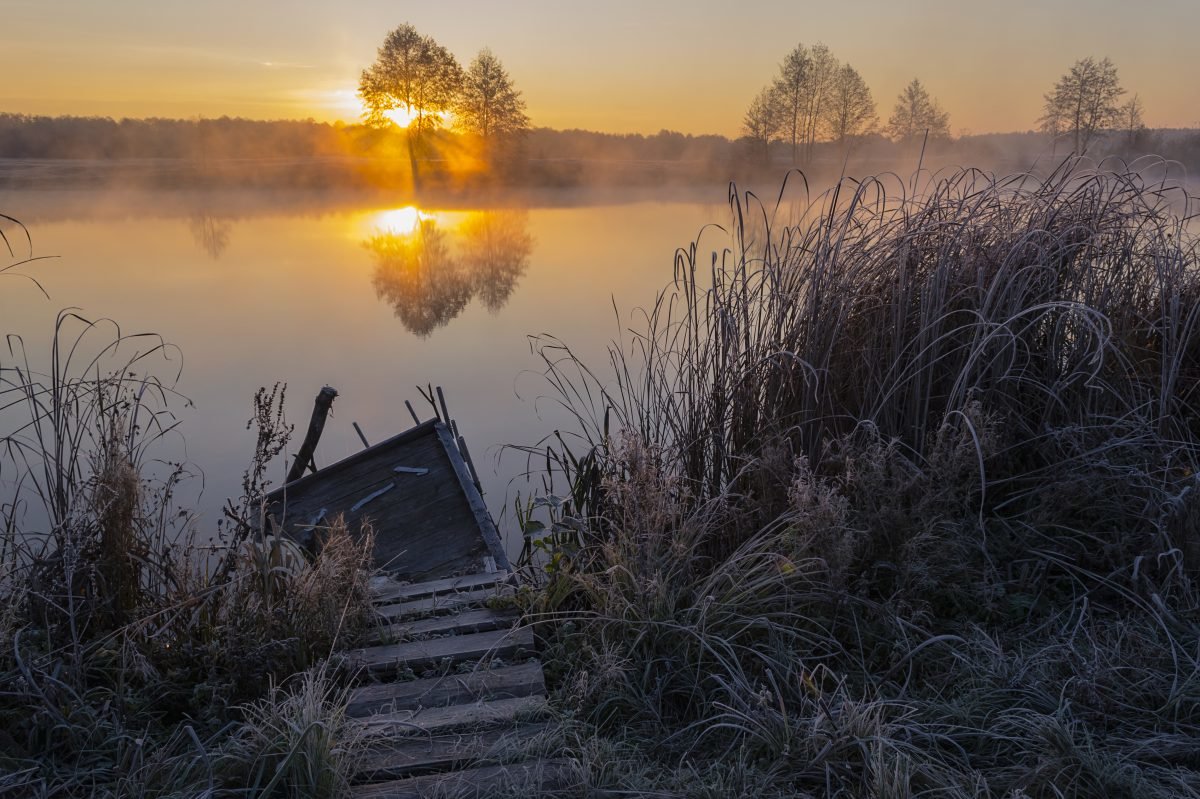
[
  {"x": 411, "y": 757},
  {"x": 504, "y": 682},
  {"x": 426, "y": 524},
  {"x": 477, "y": 783},
  {"x": 434, "y": 605},
  {"x": 393, "y": 591},
  {"x": 467, "y": 621},
  {"x": 484, "y": 520},
  {"x": 304, "y": 458},
  {"x": 427, "y": 721},
  {"x": 451, "y": 649}
]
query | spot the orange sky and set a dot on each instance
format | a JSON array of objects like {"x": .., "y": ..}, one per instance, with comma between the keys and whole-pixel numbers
[{"x": 620, "y": 66}]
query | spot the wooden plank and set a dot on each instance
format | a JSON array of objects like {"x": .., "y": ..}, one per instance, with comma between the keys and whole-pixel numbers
[
  {"x": 491, "y": 536},
  {"x": 411, "y": 434},
  {"x": 504, "y": 682},
  {"x": 451, "y": 649},
  {"x": 397, "y": 592},
  {"x": 467, "y": 621},
  {"x": 426, "y": 525},
  {"x": 413, "y": 756},
  {"x": 427, "y": 721},
  {"x": 477, "y": 783},
  {"x": 446, "y": 603}
]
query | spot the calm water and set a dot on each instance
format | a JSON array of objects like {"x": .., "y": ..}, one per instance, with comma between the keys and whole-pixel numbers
[{"x": 369, "y": 297}]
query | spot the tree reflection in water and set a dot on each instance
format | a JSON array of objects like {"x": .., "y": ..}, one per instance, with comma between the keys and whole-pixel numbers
[
  {"x": 428, "y": 275},
  {"x": 210, "y": 233},
  {"x": 419, "y": 276}
]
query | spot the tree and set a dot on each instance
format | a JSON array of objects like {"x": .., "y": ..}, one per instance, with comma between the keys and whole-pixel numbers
[
  {"x": 801, "y": 92},
  {"x": 1132, "y": 123},
  {"x": 851, "y": 107},
  {"x": 488, "y": 105},
  {"x": 1083, "y": 102},
  {"x": 790, "y": 91},
  {"x": 917, "y": 114},
  {"x": 762, "y": 123},
  {"x": 414, "y": 74}
]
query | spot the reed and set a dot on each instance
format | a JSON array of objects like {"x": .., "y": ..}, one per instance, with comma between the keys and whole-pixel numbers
[{"x": 897, "y": 499}]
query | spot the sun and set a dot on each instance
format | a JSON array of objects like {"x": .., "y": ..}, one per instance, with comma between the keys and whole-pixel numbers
[{"x": 403, "y": 116}]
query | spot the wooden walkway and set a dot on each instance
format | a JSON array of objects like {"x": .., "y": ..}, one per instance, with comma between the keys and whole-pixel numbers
[{"x": 449, "y": 693}]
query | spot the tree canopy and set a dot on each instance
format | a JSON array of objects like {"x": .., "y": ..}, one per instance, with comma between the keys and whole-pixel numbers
[
  {"x": 917, "y": 114},
  {"x": 1084, "y": 102},
  {"x": 414, "y": 74},
  {"x": 488, "y": 104}
]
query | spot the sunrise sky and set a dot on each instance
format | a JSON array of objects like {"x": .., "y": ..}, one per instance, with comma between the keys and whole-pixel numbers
[{"x": 617, "y": 65}]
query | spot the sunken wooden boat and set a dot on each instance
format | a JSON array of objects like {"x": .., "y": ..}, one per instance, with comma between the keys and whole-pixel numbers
[{"x": 417, "y": 492}]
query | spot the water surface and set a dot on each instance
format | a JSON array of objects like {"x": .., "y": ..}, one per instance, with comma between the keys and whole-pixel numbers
[{"x": 373, "y": 298}]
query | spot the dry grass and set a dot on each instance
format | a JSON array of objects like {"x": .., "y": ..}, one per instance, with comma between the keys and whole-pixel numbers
[{"x": 898, "y": 500}]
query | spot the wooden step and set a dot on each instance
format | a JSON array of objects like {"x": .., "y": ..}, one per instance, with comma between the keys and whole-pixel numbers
[
  {"x": 392, "y": 591},
  {"x": 390, "y": 658},
  {"x": 477, "y": 783},
  {"x": 428, "y": 721},
  {"x": 440, "y": 604},
  {"x": 413, "y": 756},
  {"x": 505, "y": 682},
  {"x": 467, "y": 621}
]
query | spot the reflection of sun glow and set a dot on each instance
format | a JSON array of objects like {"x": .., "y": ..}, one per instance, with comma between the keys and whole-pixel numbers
[{"x": 401, "y": 220}]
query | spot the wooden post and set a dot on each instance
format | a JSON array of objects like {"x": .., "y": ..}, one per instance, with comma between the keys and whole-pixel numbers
[{"x": 304, "y": 458}]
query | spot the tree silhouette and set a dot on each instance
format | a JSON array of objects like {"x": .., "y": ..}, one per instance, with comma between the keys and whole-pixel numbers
[
  {"x": 488, "y": 104},
  {"x": 762, "y": 123},
  {"x": 413, "y": 73},
  {"x": 915, "y": 114},
  {"x": 851, "y": 107},
  {"x": 1083, "y": 102}
]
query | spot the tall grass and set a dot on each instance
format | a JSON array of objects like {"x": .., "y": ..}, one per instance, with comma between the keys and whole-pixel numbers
[
  {"x": 898, "y": 499},
  {"x": 137, "y": 658}
]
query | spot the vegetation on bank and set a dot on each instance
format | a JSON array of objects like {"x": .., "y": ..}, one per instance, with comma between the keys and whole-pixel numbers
[
  {"x": 137, "y": 657},
  {"x": 899, "y": 499}
]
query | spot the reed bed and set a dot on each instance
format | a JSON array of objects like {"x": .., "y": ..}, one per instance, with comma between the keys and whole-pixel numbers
[
  {"x": 138, "y": 658},
  {"x": 898, "y": 499}
]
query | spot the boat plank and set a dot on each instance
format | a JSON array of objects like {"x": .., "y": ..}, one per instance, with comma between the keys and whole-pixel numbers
[
  {"x": 413, "y": 756},
  {"x": 426, "y": 721},
  {"x": 504, "y": 682},
  {"x": 450, "y": 649},
  {"x": 467, "y": 621},
  {"x": 398, "y": 592},
  {"x": 476, "y": 783},
  {"x": 434, "y": 605}
]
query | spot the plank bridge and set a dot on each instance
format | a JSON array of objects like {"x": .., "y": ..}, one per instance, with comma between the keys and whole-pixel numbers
[{"x": 449, "y": 692}]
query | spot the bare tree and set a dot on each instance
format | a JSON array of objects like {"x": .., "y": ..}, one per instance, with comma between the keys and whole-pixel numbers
[
  {"x": 917, "y": 114},
  {"x": 821, "y": 76},
  {"x": 851, "y": 109},
  {"x": 790, "y": 91},
  {"x": 762, "y": 123},
  {"x": 412, "y": 73},
  {"x": 1084, "y": 102},
  {"x": 802, "y": 92},
  {"x": 489, "y": 105},
  {"x": 1132, "y": 123}
]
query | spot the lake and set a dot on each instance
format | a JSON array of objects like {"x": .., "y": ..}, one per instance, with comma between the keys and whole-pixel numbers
[{"x": 371, "y": 296}]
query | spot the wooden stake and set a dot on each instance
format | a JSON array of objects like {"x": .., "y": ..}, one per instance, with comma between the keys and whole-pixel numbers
[{"x": 304, "y": 458}]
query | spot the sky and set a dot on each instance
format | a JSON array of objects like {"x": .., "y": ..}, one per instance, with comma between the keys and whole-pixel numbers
[{"x": 620, "y": 66}]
